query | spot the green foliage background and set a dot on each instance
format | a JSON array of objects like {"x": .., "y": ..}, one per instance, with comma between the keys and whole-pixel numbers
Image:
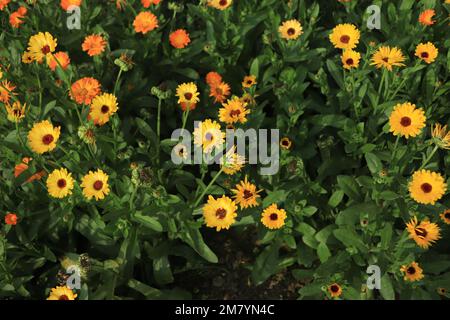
[{"x": 330, "y": 183}]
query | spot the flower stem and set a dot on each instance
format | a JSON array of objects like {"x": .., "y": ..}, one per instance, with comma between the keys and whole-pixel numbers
[
  {"x": 185, "y": 117},
  {"x": 158, "y": 129},
  {"x": 395, "y": 148},
  {"x": 429, "y": 157},
  {"x": 207, "y": 188},
  {"x": 117, "y": 82}
]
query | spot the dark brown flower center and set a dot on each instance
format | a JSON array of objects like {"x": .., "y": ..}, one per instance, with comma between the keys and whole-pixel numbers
[
  {"x": 424, "y": 55},
  {"x": 98, "y": 185},
  {"x": 236, "y": 113},
  {"x": 63, "y": 297},
  {"x": 223, "y": 2},
  {"x": 345, "y": 39},
  {"x": 248, "y": 194},
  {"x": 62, "y": 183},
  {"x": 291, "y": 31},
  {"x": 221, "y": 213},
  {"x": 188, "y": 96},
  {"x": 45, "y": 49},
  {"x": 209, "y": 136},
  {"x": 334, "y": 288},
  {"x": 285, "y": 142},
  {"x": 421, "y": 232},
  {"x": 105, "y": 109},
  {"x": 47, "y": 139},
  {"x": 411, "y": 270},
  {"x": 405, "y": 121},
  {"x": 219, "y": 91},
  {"x": 386, "y": 59},
  {"x": 426, "y": 187},
  {"x": 447, "y": 215},
  {"x": 273, "y": 217},
  {"x": 350, "y": 62}
]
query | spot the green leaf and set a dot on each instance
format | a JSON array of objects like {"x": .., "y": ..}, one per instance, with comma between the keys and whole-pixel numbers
[
  {"x": 148, "y": 222},
  {"x": 387, "y": 290},
  {"x": 350, "y": 239},
  {"x": 336, "y": 198},
  {"x": 323, "y": 252},
  {"x": 349, "y": 186},
  {"x": 373, "y": 163}
]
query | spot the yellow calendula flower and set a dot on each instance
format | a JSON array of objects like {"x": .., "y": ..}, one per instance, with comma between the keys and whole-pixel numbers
[
  {"x": 27, "y": 57},
  {"x": 102, "y": 108},
  {"x": 16, "y": 111},
  {"x": 60, "y": 183},
  {"x": 187, "y": 93},
  {"x": 249, "y": 81},
  {"x": 248, "y": 100},
  {"x": 445, "y": 216},
  {"x": 219, "y": 213},
  {"x": 441, "y": 136},
  {"x": 286, "y": 143},
  {"x": 412, "y": 272},
  {"x": 272, "y": 217},
  {"x": 233, "y": 111},
  {"x": 427, "y": 187},
  {"x": 427, "y": 52},
  {"x": 350, "y": 59},
  {"x": 209, "y": 135},
  {"x": 387, "y": 57},
  {"x": 406, "y": 120},
  {"x": 232, "y": 162},
  {"x": 95, "y": 185},
  {"x": 220, "y": 4},
  {"x": 345, "y": 36},
  {"x": 41, "y": 45},
  {"x": 424, "y": 233},
  {"x": 291, "y": 29},
  {"x": 335, "y": 290},
  {"x": 62, "y": 293},
  {"x": 246, "y": 194},
  {"x": 43, "y": 137}
]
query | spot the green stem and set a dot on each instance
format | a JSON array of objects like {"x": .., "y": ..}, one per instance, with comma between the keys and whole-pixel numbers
[
  {"x": 207, "y": 188},
  {"x": 158, "y": 129},
  {"x": 185, "y": 117},
  {"x": 395, "y": 148},
  {"x": 40, "y": 93},
  {"x": 429, "y": 157},
  {"x": 117, "y": 82},
  {"x": 20, "y": 137}
]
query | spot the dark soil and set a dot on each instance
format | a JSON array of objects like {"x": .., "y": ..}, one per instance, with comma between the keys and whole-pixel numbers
[{"x": 230, "y": 278}]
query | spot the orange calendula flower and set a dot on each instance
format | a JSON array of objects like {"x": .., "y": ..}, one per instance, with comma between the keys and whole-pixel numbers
[
  {"x": 16, "y": 18},
  {"x": 65, "y": 4},
  {"x": 11, "y": 219},
  {"x": 249, "y": 81},
  {"x": 179, "y": 39},
  {"x": 145, "y": 22},
  {"x": 84, "y": 90},
  {"x": 334, "y": 290},
  {"x": 220, "y": 92},
  {"x": 6, "y": 90},
  {"x": 61, "y": 57},
  {"x": 23, "y": 166},
  {"x": 3, "y": 4},
  {"x": 426, "y": 17},
  {"x": 213, "y": 78},
  {"x": 148, "y": 3},
  {"x": 94, "y": 45}
]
